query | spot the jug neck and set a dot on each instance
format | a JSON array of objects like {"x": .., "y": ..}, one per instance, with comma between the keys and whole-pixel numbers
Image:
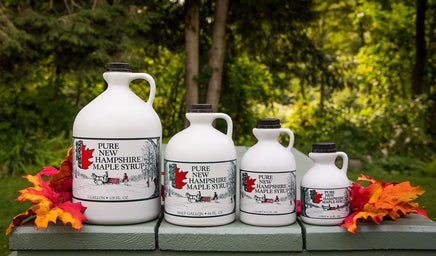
[
  {"x": 200, "y": 118},
  {"x": 323, "y": 158},
  {"x": 266, "y": 135},
  {"x": 117, "y": 79}
]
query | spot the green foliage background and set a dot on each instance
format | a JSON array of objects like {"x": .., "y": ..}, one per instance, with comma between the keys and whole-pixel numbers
[{"x": 346, "y": 79}]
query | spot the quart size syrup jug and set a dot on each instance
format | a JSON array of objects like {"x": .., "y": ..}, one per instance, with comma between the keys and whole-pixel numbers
[
  {"x": 116, "y": 152},
  {"x": 325, "y": 188},
  {"x": 268, "y": 178},
  {"x": 200, "y": 171}
]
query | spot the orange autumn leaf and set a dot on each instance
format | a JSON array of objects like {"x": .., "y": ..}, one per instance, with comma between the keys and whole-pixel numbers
[
  {"x": 48, "y": 206},
  {"x": 380, "y": 200},
  {"x": 366, "y": 178},
  {"x": 66, "y": 212},
  {"x": 398, "y": 198}
]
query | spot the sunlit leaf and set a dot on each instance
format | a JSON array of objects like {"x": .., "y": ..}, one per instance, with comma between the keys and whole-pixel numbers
[
  {"x": 380, "y": 200},
  {"x": 49, "y": 205},
  {"x": 67, "y": 212}
]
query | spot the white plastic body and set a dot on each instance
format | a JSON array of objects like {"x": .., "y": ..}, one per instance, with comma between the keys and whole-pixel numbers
[
  {"x": 268, "y": 155},
  {"x": 200, "y": 142},
  {"x": 325, "y": 175},
  {"x": 120, "y": 113}
]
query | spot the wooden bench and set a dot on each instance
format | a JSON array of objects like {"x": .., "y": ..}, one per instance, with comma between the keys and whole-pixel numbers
[{"x": 412, "y": 234}]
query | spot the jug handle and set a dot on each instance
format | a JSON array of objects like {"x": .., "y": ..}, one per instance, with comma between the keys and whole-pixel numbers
[
  {"x": 150, "y": 80},
  {"x": 291, "y": 137},
  {"x": 344, "y": 161},
  {"x": 228, "y": 121}
]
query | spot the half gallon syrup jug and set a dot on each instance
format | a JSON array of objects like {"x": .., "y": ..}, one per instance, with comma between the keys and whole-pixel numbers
[
  {"x": 267, "y": 178},
  {"x": 200, "y": 170},
  {"x": 116, "y": 152},
  {"x": 325, "y": 188}
]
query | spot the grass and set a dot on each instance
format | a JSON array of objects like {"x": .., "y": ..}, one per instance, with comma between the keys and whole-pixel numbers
[
  {"x": 10, "y": 186},
  {"x": 10, "y": 207}
]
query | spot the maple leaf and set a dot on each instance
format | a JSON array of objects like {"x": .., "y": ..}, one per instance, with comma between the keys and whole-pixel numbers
[
  {"x": 316, "y": 198},
  {"x": 380, "y": 200},
  {"x": 86, "y": 155},
  {"x": 62, "y": 179},
  {"x": 47, "y": 205},
  {"x": 250, "y": 184},
  {"x": 67, "y": 212},
  {"x": 179, "y": 177},
  {"x": 366, "y": 178}
]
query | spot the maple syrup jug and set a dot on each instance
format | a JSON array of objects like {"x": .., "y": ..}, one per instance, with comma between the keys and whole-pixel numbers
[
  {"x": 116, "y": 152},
  {"x": 200, "y": 171},
  {"x": 268, "y": 178},
  {"x": 325, "y": 192}
]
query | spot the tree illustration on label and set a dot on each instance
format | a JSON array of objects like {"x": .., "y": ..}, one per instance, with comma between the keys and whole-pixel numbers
[
  {"x": 316, "y": 198},
  {"x": 177, "y": 176},
  {"x": 83, "y": 155}
]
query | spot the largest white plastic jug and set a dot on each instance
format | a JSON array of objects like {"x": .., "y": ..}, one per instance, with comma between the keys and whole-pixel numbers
[
  {"x": 116, "y": 152},
  {"x": 200, "y": 170}
]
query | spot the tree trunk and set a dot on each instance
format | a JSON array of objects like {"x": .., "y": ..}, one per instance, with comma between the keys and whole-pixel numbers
[
  {"x": 216, "y": 53},
  {"x": 192, "y": 42},
  {"x": 418, "y": 70}
]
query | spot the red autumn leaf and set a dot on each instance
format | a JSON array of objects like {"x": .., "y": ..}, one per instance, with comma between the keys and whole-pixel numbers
[
  {"x": 41, "y": 193},
  {"x": 380, "y": 200},
  {"x": 49, "y": 171},
  {"x": 47, "y": 206},
  {"x": 65, "y": 172},
  {"x": 298, "y": 207},
  {"x": 179, "y": 177},
  {"x": 61, "y": 181},
  {"x": 250, "y": 184}
]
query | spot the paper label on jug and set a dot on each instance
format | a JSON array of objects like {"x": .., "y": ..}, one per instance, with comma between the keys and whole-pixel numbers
[
  {"x": 332, "y": 203},
  {"x": 268, "y": 193},
  {"x": 204, "y": 189},
  {"x": 116, "y": 170}
]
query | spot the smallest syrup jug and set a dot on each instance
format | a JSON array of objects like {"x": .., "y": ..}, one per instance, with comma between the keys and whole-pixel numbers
[
  {"x": 268, "y": 180},
  {"x": 325, "y": 192}
]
